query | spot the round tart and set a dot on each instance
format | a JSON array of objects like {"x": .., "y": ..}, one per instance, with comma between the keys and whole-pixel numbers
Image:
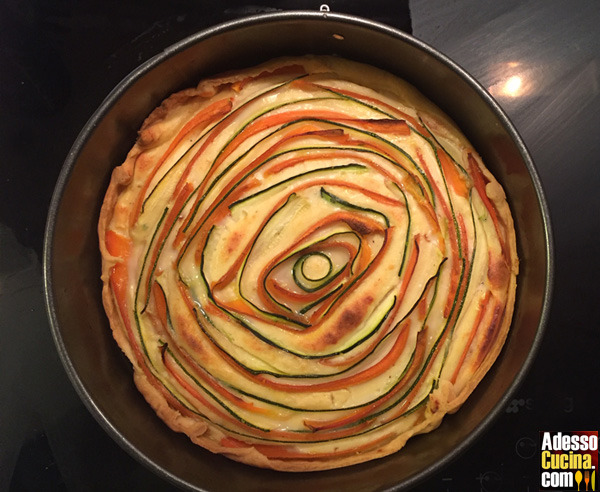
[{"x": 306, "y": 263}]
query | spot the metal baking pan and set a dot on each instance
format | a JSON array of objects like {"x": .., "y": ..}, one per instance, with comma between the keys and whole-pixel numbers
[{"x": 103, "y": 376}]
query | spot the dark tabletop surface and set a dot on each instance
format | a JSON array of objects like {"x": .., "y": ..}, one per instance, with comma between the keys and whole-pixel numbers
[{"x": 59, "y": 59}]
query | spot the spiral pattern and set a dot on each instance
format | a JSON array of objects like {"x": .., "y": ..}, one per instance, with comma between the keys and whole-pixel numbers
[{"x": 307, "y": 260}]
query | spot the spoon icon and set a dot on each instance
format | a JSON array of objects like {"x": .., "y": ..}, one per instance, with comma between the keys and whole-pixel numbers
[{"x": 578, "y": 478}]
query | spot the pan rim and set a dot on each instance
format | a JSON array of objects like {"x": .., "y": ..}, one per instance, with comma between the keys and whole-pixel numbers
[{"x": 113, "y": 97}]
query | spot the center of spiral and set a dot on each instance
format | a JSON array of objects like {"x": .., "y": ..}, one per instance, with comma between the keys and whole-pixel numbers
[{"x": 316, "y": 266}]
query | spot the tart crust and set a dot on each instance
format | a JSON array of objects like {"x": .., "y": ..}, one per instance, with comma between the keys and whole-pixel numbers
[{"x": 202, "y": 234}]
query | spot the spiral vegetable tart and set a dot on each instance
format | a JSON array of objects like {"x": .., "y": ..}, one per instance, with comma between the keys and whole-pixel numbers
[{"x": 306, "y": 263}]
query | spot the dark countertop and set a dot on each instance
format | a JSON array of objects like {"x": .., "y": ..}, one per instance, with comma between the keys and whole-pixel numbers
[{"x": 540, "y": 60}]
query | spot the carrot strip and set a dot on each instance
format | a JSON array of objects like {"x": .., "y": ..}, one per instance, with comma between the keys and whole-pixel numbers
[
  {"x": 395, "y": 127},
  {"x": 240, "y": 306},
  {"x": 453, "y": 176},
  {"x": 117, "y": 244}
]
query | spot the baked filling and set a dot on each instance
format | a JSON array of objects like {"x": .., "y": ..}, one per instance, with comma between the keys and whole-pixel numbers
[{"x": 306, "y": 263}]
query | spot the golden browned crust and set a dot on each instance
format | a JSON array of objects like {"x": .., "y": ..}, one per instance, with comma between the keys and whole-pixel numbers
[{"x": 152, "y": 241}]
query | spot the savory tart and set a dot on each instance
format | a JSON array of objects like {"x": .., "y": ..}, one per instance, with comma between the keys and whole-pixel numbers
[{"x": 306, "y": 263}]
